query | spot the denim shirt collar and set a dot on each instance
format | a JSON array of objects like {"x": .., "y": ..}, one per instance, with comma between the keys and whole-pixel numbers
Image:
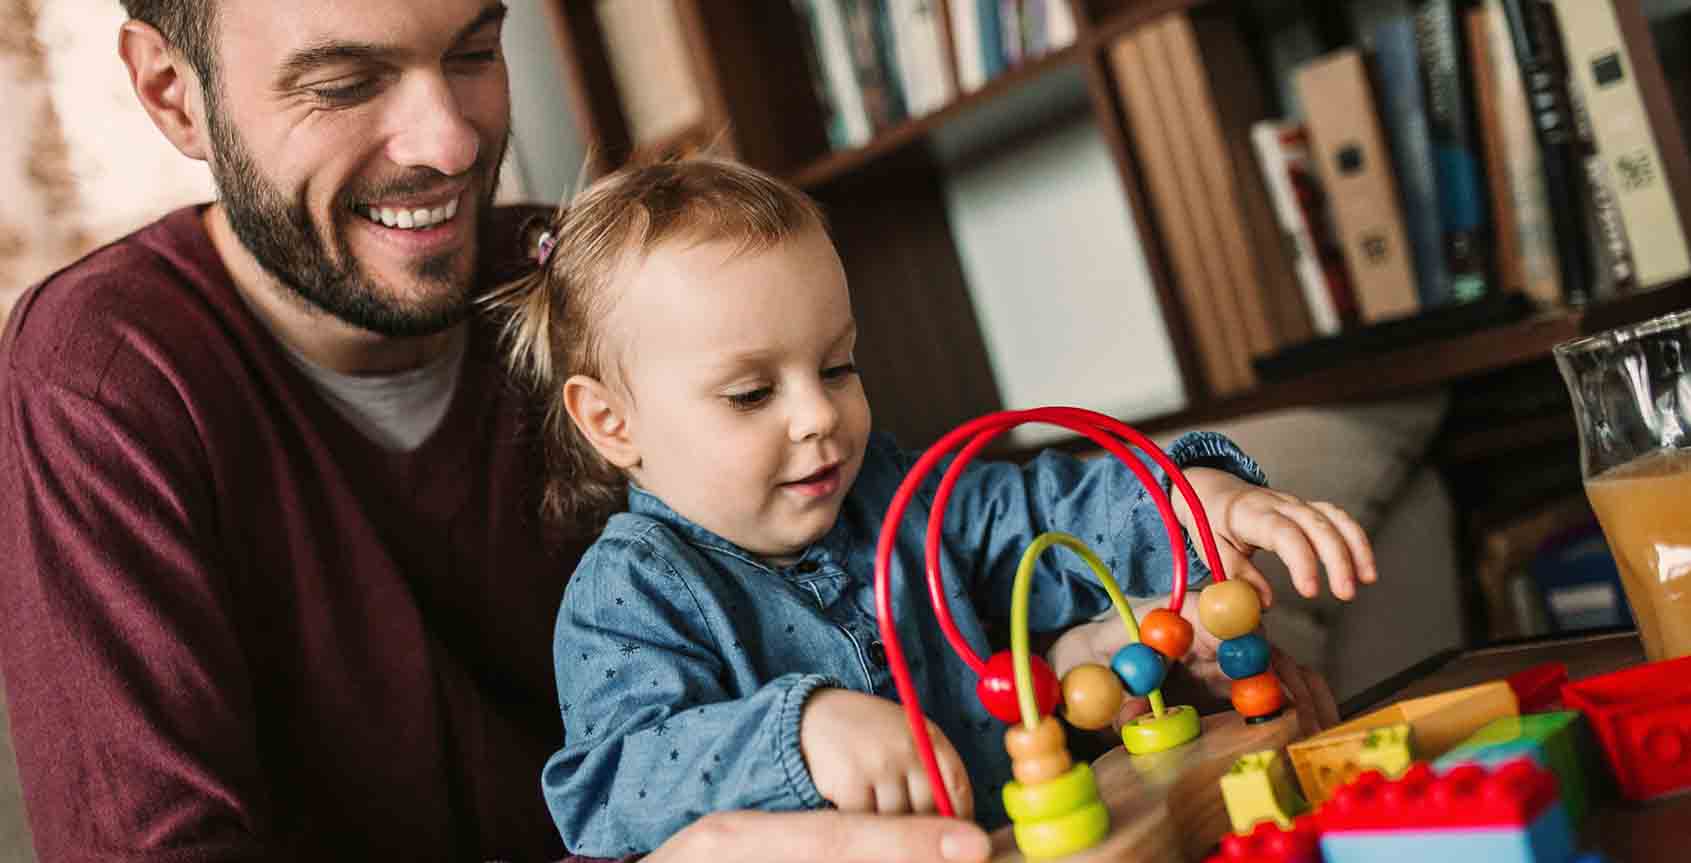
[{"x": 833, "y": 544}]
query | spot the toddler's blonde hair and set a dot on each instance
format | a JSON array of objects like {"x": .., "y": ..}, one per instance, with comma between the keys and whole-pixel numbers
[{"x": 554, "y": 318}]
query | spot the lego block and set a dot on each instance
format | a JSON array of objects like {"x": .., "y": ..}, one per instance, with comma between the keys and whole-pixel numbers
[
  {"x": 1259, "y": 787},
  {"x": 1555, "y": 741},
  {"x": 1546, "y": 840},
  {"x": 1388, "y": 750},
  {"x": 1642, "y": 718},
  {"x": 1437, "y": 724},
  {"x": 1469, "y": 796},
  {"x": 1272, "y": 843},
  {"x": 1539, "y": 688}
]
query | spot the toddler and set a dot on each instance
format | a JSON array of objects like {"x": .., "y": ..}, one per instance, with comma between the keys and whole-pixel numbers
[{"x": 690, "y": 332}]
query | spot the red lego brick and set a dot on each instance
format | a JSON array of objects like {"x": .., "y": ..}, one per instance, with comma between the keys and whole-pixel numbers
[
  {"x": 1468, "y": 796},
  {"x": 1269, "y": 843},
  {"x": 1642, "y": 717},
  {"x": 1539, "y": 688}
]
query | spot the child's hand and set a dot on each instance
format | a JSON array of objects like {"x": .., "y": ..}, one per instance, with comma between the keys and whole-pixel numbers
[
  {"x": 860, "y": 754},
  {"x": 1309, "y": 537}
]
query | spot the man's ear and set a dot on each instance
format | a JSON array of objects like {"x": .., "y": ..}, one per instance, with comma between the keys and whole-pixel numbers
[
  {"x": 166, "y": 85},
  {"x": 600, "y": 416}
]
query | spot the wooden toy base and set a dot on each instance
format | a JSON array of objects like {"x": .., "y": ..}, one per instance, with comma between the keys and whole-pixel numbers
[{"x": 1166, "y": 808}]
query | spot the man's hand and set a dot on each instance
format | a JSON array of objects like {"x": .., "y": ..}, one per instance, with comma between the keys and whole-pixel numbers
[
  {"x": 1309, "y": 537},
  {"x": 860, "y": 754},
  {"x": 824, "y": 837}
]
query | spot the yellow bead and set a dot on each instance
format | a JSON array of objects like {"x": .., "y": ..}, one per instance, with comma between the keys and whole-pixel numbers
[
  {"x": 1092, "y": 696},
  {"x": 1047, "y": 800},
  {"x": 1149, "y": 734},
  {"x": 1046, "y": 739},
  {"x": 1060, "y": 837},
  {"x": 1229, "y": 609},
  {"x": 1041, "y": 768}
]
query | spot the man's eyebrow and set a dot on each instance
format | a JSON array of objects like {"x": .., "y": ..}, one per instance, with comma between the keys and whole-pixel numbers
[{"x": 321, "y": 54}]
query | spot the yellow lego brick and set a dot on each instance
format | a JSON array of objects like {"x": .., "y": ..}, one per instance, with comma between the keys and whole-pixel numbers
[
  {"x": 1258, "y": 787},
  {"x": 1388, "y": 750}
]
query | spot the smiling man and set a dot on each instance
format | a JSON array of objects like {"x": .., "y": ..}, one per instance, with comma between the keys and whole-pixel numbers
[{"x": 273, "y": 581}]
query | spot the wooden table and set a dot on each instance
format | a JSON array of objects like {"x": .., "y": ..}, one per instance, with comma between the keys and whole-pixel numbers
[{"x": 1658, "y": 832}]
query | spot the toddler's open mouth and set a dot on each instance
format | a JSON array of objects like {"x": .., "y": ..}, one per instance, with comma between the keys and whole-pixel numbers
[{"x": 819, "y": 484}]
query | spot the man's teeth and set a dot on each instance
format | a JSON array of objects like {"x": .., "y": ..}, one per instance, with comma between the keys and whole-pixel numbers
[{"x": 411, "y": 219}]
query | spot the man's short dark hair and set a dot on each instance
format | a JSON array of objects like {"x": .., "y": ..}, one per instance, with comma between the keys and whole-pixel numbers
[{"x": 189, "y": 26}]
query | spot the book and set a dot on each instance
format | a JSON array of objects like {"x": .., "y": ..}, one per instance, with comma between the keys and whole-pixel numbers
[
  {"x": 1355, "y": 168},
  {"x": 1601, "y": 65},
  {"x": 1456, "y": 162},
  {"x": 883, "y": 100},
  {"x": 1524, "y": 247},
  {"x": 1061, "y": 31},
  {"x": 920, "y": 50},
  {"x": 1277, "y": 145},
  {"x": 1611, "y": 251},
  {"x": 1402, "y": 106},
  {"x": 1220, "y": 366},
  {"x": 1218, "y": 187},
  {"x": 989, "y": 24},
  {"x": 966, "y": 44},
  {"x": 1543, "y": 75},
  {"x": 652, "y": 68},
  {"x": 838, "y": 89}
]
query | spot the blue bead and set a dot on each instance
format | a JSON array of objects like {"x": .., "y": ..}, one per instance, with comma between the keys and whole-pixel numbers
[
  {"x": 1242, "y": 657},
  {"x": 1140, "y": 668}
]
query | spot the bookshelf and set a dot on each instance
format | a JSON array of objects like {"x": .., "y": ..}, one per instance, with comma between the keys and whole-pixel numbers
[{"x": 887, "y": 204}]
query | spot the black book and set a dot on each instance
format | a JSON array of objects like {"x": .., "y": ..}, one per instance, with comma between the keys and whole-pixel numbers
[{"x": 1544, "y": 71}]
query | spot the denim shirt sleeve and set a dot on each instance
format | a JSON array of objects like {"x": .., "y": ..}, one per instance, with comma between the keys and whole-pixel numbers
[
  {"x": 997, "y": 509},
  {"x": 652, "y": 738}
]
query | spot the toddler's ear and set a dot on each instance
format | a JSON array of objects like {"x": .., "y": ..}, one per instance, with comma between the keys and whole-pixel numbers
[{"x": 598, "y": 413}]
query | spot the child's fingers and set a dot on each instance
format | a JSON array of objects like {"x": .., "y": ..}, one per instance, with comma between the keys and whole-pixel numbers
[
  {"x": 1329, "y": 545},
  {"x": 1361, "y": 550},
  {"x": 1290, "y": 542},
  {"x": 951, "y": 772},
  {"x": 1248, "y": 573},
  {"x": 893, "y": 797}
]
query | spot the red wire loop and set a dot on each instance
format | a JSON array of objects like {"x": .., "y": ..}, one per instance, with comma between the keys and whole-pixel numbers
[{"x": 980, "y": 432}]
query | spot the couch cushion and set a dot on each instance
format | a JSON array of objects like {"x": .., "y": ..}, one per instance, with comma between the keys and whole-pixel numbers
[{"x": 1355, "y": 456}]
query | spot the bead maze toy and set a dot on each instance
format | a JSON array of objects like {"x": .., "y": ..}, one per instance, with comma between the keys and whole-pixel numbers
[{"x": 1163, "y": 801}]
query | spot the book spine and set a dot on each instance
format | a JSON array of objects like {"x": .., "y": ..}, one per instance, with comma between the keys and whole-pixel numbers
[
  {"x": 966, "y": 44},
  {"x": 1462, "y": 206},
  {"x": 991, "y": 30},
  {"x": 920, "y": 55},
  {"x": 1355, "y": 166},
  {"x": 1060, "y": 27},
  {"x": 834, "y": 49},
  {"x": 1601, "y": 66},
  {"x": 1545, "y": 80},
  {"x": 881, "y": 97},
  {"x": 1403, "y": 112},
  {"x": 833, "y": 121},
  {"x": 1611, "y": 251},
  {"x": 1505, "y": 242},
  {"x": 1534, "y": 235},
  {"x": 1268, "y": 138}
]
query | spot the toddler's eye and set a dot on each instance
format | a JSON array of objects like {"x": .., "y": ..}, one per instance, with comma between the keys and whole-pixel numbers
[
  {"x": 840, "y": 372},
  {"x": 750, "y": 398}
]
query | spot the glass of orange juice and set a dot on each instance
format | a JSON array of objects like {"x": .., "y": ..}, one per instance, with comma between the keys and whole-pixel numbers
[{"x": 1631, "y": 391}]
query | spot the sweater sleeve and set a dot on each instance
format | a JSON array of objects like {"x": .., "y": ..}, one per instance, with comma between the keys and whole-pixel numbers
[
  {"x": 999, "y": 509},
  {"x": 653, "y": 738},
  {"x": 132, "y": 712}
]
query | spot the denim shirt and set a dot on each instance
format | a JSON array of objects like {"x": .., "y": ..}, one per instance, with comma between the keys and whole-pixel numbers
[{"x": 683, "y": 661}]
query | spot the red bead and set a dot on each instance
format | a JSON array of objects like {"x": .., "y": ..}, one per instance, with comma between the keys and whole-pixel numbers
[
  {"x": 997, "y": 687},
  {"x": 1258, "y": 696},
  {"x": 1167, "y": 633}
]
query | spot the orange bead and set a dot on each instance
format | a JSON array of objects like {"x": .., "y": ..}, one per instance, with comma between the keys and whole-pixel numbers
[
  {"x": 1043, "y": 768},
  {"x": 1229, "y": 609},
  {"x": 1167, "y": 633},
  {"x": 1092, "y": 696},
  {"x": 1258, "y": 696},
  {"x": 1046, "y": 739}
]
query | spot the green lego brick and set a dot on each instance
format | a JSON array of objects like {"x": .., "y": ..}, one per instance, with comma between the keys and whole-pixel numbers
[{"x": 1554, "y": 740}]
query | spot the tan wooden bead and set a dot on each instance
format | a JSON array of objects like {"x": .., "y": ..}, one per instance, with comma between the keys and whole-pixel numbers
[
  {"x": 1092, "y": 696},
  {"x": 1046, "y": 739},
  {"x": 1042, "y": 768}
]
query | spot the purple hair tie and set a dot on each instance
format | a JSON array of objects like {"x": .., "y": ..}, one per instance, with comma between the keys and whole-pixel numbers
[{"x": 547, "y": 242}]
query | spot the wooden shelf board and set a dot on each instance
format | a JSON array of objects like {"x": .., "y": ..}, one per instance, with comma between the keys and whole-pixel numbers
[{"x": 1000, "y": 107}]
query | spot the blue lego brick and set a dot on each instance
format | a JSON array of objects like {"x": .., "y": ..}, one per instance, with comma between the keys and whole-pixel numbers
[{"x": 1548, "y": 840}]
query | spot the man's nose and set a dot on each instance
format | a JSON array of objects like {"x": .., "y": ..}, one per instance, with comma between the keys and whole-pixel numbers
[{"x": 432, "y": 129}]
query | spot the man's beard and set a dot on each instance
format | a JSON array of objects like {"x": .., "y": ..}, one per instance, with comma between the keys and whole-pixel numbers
[{"x": 285, "y": 239}]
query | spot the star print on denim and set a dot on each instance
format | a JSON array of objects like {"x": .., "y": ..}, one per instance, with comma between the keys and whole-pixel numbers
[{"x": 731, "y": 647}]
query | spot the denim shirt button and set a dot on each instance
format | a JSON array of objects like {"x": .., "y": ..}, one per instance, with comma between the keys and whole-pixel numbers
[
  {"x": 806, "y": 567},
  {"x": 877, "y": 655}
]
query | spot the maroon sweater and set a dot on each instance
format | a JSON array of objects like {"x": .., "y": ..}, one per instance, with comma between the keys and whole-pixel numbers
[{"x": 235, "y": 628}]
